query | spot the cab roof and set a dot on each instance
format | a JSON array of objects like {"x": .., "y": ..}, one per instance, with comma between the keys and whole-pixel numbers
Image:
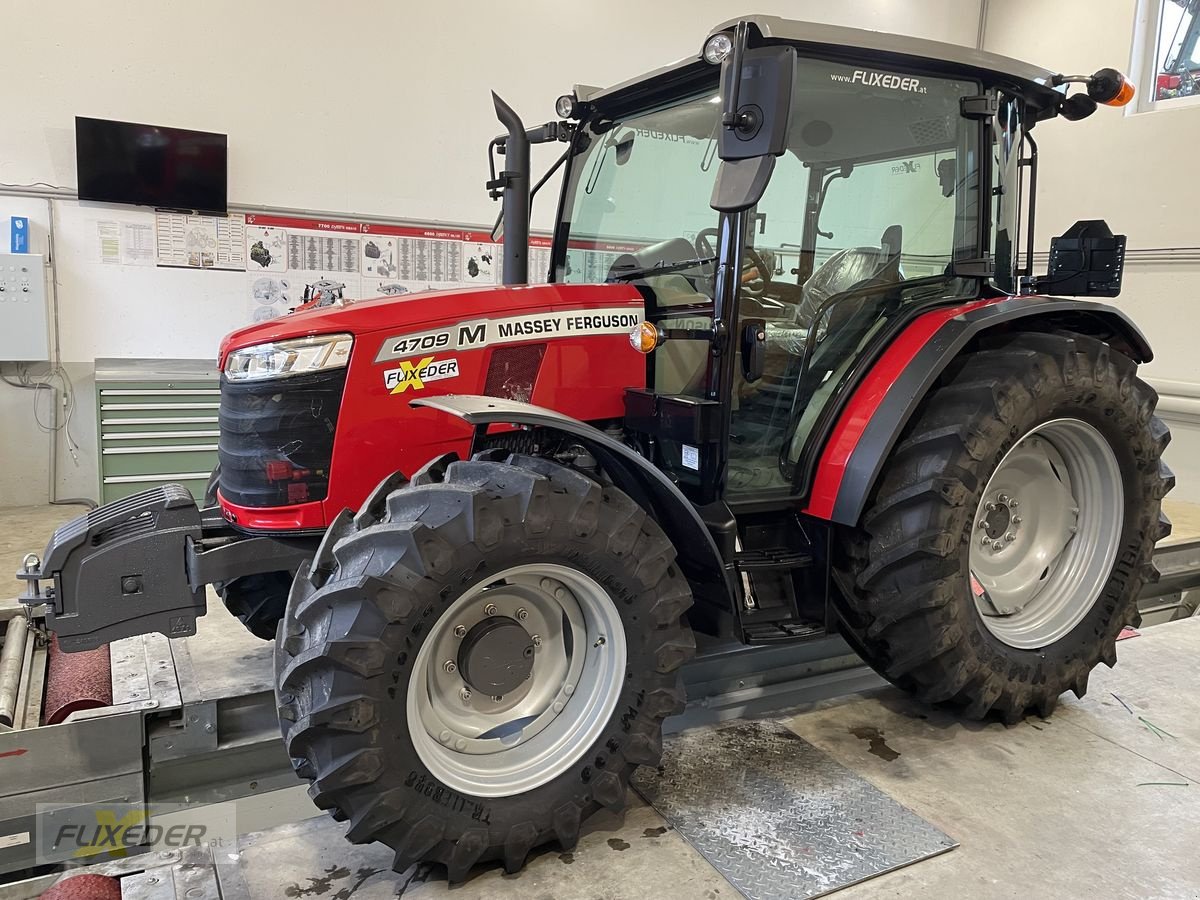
[{"x": 861, "y": 46}]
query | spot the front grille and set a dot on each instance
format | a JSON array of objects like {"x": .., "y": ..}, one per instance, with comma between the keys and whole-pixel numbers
[{"x": 276, "y": 440}]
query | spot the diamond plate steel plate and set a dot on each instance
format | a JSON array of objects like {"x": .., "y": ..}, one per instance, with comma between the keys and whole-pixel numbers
[{"x": 779, "y": 818}]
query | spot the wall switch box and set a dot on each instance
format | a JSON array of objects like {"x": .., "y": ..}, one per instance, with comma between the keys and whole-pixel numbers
[
  {"x": 23, "y": 333},
  {"x": 20, "y": 234}
]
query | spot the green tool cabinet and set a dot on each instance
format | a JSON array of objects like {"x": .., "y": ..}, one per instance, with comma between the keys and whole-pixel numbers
[{"x": 157, "y": 423}]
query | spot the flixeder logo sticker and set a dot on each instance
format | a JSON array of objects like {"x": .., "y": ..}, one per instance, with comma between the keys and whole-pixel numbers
[
  {"x": 868, "y": 78},
  {"x": 415, "y": 373}
]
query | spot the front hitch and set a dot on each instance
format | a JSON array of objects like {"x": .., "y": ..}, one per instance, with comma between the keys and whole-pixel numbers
[
  {"x": 140, "y": 564},
  {"x": 119, "y": 571}
]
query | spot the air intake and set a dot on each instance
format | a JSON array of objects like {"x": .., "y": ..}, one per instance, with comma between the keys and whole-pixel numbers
[{"x": 513, "y": 371}]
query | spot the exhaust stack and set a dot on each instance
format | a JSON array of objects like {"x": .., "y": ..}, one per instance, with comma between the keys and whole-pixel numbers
[{"x": 513, "y": 186}]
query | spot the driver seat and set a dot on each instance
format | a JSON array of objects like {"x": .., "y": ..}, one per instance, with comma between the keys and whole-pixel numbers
[{"x": 848, "y": 269}]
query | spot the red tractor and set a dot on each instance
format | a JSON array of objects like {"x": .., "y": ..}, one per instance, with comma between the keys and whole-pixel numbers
[{"x": 789, "y": 376}]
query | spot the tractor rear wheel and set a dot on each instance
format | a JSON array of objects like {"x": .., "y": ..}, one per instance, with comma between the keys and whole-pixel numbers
[
  {"x": 1012, "y": 528},
  {"x": 478, "y": 660},
  {"x": 256, "y": 600}
]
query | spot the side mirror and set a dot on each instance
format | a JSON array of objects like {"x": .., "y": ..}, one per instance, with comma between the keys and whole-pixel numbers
[
  {"x": 757, "y": 87},
  {"x": 754, "y": 349},
  {"x": 1076, "y": 107}
]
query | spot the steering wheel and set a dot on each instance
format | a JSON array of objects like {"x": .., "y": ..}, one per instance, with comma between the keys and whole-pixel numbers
[{"x": 755, "y": 284}]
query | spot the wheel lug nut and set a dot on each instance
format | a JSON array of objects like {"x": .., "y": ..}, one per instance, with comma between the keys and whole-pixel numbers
[
  {"x": 522, "y": 614},
  {"x": 985, "y": 540},
  {"x": 982, "y": 523},
  {"x": 465, "y": 693},
  {"x": 497, "y": 698},
  {"x": 490, "y": 609},
  {"x": 1016, "y": 520},
  {"x": 1010, "y": 537},
  {"x": 1012, "y": 504},
  {"x": 1003, "y": 498},
  {"x": 997, "y": 545},
  {"x": 460, "y": 630},
  {"x": 991, "y": 507},
  {"x": 537, "y": 640},
  {"x": 449, "y": 666}
]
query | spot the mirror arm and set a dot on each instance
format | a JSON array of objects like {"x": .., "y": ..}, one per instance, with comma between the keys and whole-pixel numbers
[{"x": 730, "y": 118}]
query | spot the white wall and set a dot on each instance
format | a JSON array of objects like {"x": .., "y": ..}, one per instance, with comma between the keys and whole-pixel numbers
[
  {"x": 1136, "y": 171},
  {"x": 372, "y": 107}
]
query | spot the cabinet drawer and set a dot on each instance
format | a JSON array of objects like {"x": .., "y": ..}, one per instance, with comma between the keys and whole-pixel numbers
[
  {"x": 160, "y": 460},
  {"x": 121, "y": 435}
]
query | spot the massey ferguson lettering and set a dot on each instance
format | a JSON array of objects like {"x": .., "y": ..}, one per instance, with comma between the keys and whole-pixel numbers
[
  {"x": 478, "y": 333},
  {"x": 558, "y": 326}
]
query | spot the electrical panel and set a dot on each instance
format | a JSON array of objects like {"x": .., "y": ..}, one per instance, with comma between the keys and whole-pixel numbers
[{"x": 23, "y": 333}]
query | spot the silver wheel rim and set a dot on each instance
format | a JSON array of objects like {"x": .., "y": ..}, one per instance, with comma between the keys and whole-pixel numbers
[
  {"x": 486, "y": 747},
  {"x": 1045, "y": 535}
]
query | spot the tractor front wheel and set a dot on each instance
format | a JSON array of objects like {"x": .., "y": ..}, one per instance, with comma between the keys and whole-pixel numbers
[
  {"x": 478, "y": 660},
  {"x": 256, "y": 600},
  {"x": 1012, "y": 527}
]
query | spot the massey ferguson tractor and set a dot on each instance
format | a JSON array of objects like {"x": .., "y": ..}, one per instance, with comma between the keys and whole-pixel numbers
[{"x": 793, "y": 373}]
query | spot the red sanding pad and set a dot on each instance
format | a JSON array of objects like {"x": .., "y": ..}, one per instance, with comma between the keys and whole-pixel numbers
[
  {"x": 85, "y": 887},
  {"x": 76, "y": 681}
]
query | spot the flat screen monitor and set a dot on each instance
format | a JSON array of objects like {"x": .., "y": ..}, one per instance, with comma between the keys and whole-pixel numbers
[{"x": 149, "y": 165}]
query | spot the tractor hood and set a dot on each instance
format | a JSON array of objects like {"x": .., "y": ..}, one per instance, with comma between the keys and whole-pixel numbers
[{"x": 415, "y": 311}]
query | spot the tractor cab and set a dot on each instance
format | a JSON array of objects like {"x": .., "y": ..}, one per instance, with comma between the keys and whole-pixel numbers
[{"x": 783, "y": 225}]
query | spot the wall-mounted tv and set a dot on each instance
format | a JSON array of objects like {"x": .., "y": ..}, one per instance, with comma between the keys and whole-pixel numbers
[{"x": 148, "y": 165}]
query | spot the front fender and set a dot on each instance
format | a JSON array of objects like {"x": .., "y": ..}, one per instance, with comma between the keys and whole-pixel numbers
[
  {"x": 699, "y": 557},
  {"x": 883, "y": 402}
]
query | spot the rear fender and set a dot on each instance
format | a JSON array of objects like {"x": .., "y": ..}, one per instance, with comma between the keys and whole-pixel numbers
[
  {"x": 699, "y": 557},
  {"x": 880, "y": 407}
]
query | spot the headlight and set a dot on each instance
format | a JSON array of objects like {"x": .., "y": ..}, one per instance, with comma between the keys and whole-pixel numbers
[
  {"x": 566, "y": 106},
  {"x": 717, "y": 47},
  {"x": 283, "y": 359}
]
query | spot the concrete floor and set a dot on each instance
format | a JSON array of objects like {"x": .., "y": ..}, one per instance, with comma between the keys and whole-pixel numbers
[
  {"x": 1090, "y": 803},
  {"x": 26, "y": 529}
]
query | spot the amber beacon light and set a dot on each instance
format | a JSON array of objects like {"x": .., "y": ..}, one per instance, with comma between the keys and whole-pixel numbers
[{"x": 1110, "y": 87}]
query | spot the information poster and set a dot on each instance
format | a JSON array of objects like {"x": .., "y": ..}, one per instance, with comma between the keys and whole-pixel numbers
[
  {"x": 200, "y": 242},
  {"x": 289, "y": 259},
  {"x": 289, "y": 256}
]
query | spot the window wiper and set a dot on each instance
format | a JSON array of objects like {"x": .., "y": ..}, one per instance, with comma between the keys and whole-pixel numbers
[{"x": 661, "y": 268}]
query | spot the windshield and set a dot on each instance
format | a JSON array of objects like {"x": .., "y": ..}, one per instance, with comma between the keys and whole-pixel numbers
[
  {"x": 638, "y": 183},
  {"x": 890, "y": 146},
  {"x": 865, "y": 214}
]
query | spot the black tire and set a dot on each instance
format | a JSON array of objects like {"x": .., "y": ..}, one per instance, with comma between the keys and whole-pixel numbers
[
  {"x": 905, "y": 599},
  {"x": 258, "y": 601},
  {"x": 356, "y": 620}
]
